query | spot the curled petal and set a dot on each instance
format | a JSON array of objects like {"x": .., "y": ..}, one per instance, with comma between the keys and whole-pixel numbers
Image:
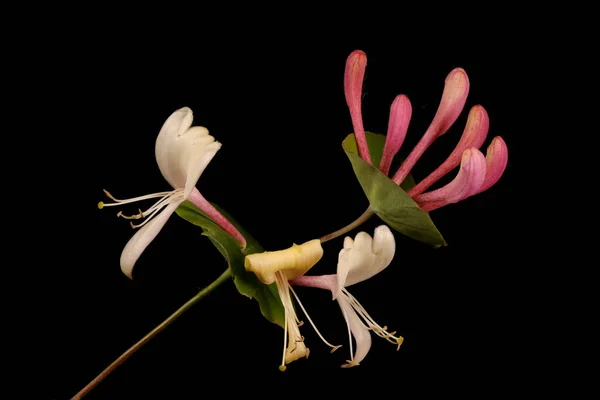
[
  {"x": 293, "y": 262},
  {"x": 352, "y": 258},
  {"x": 467, "y": 182},
  {"x": 400, "y": 114},
  {"x": 197, "y": 149},
  {"x": 476, "y": 129},
  {"x": 361, "y": 334},
  {"x": 496, "y": 161},
  {"x": 382, "y": 250},
  {"x": 176, "y": 125},
  {"x": 138, "y": 243},
  {"x": 353, "y": 82},
  {"x": 183, "y": 152},
  {"x": 366, "y": 258},
  {"x": 456, "y": 90}
]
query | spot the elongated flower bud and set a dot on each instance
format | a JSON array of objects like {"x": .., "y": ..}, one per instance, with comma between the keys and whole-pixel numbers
[
  {"x": 456, "y": 90},
  {"x": 496, "y": 161},
  {"x": 467, "y": 182},
  {"x": 353, "y": 82},
  {"x": 400, "y": 114},
  {"x": 474, "y": 135}
]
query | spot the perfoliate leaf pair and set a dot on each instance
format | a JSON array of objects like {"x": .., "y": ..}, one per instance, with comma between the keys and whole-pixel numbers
[
  {"x": 387, "y": 200},
  {"x": 246, "y": 282}
]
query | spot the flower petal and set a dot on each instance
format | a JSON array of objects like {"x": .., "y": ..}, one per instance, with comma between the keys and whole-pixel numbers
[
  {"x": 366, "y": 258},
  {"x": 361, "y": 334},
  {"x": 400, "y": 114},
  {"x": 467, "y": 182},
  {"x": 146, "y": 234},
  {"x": 353, "y": 82},
  {"x": 197, "y": 150},
  {"x": 456, "y": 90},
  {"x": 293, "y": 262},
  {"x": 496, "y": 161},
  {"x": 176, "y": 125},
  {"x": 382, "y": 250},
  {"x": 183, "y": 152},
  {"x": 474, "y": 135},
  {"x": 356, "y": 257}
]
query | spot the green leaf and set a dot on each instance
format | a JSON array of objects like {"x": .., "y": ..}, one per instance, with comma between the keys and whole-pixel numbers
[
  {"x": 387, "y": 200},
  {"x": 246, "y": 282}
]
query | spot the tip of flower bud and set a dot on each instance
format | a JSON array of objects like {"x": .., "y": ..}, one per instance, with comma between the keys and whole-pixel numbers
[
  {"x": 358, "y": 54},
  {"x": 100, "y": 205},
  {"x": 459, "y": 76},
  {"x": 282, "y": 368},
  {"x": 399, "y": 340}
]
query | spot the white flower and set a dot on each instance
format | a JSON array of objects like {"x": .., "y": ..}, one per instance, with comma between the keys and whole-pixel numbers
[
  {"x": 182, "y": 153},
  {"x": 360, "y": 259}
]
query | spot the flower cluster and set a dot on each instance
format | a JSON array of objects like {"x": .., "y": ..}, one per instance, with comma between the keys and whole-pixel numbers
[{"x": 183, "y": 152}]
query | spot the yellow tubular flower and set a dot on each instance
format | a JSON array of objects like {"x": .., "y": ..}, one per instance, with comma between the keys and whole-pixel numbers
[{"x": 279, "y": 267}]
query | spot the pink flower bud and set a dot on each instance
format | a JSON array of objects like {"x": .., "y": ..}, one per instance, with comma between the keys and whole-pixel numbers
[
  {"x": 353, "y": 82},
  {"x": 467, "y": 182},
  {"x": 456, "y": 90},
  {"x": 496, "y": 161},
  {"x": 474, "y": 135},
  {"x": 400, "y": 114}
]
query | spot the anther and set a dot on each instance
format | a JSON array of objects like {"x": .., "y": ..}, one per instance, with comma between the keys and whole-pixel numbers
[
  {"x": 350, "y": 364},
  {"x": 400, "y": 340},
  {"x": 110, "y": 196},
  {"x": 100, "y": 205},
  {"x": 282, "y": 368},
  {"x": 335, "y": 348}
]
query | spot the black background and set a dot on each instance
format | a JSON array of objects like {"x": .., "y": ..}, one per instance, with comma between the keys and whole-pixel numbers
[{"x": 277, "y": 105}]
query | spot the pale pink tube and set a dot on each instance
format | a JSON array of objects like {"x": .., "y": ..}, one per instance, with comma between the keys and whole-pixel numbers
[
  {"x": 400, "y": 114},
  {"x": 456, "y": 90},
  {"x": 467, "y": 182},
  {"x": 353, "y": 82},
  {"x": 496, "y": 161},
  {"x": 199, "y": 201},
  {"x": 474, "y": 135}
]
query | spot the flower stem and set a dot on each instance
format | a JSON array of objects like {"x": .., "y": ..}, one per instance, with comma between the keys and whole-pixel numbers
[
  {"x": 123, "y": 357},
  {"x": 359, "y": 221}
]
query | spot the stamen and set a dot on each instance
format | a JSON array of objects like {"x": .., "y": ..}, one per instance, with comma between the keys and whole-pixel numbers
[
  {"x": 134, "y": 199},
  {"x": 350, "y": 364},
  {"x": 282, "y": 367},
  {"x": 349, "y": 331},
  {"x": 311, "y": 322},
  {"x": 165, "y": 199},
  {"x": 135, "y": 216},
  {"x": 400, "y": 340},
  {"x": 370, "y": 323}
]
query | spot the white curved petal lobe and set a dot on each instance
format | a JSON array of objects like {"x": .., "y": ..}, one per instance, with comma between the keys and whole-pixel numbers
[
  {"x": 138, "y": 243},
  {"x": 381, "y": 255},
  {"x": 364, "y": 257},
  {"x": 353, "y": 256},
  {"x": 200, "y": 148},
  {"x": 183, "y": 152},
  {"x": 361, "y": 334}
]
